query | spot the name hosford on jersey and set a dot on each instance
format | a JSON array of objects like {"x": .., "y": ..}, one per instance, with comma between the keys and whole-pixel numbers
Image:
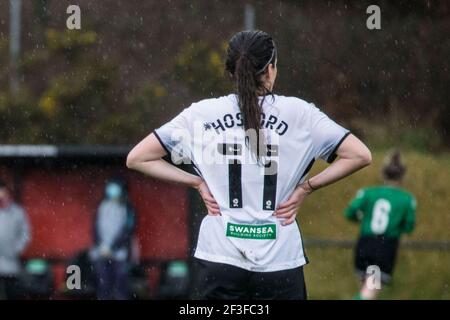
[
  {"x": 220, "y": 137},
  {"x": 230, "y": 121}
]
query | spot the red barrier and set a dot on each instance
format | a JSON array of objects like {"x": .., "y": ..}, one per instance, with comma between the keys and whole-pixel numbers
[
  {"x": 61, "y": 205},
  {"x": 61, "y": 187}
]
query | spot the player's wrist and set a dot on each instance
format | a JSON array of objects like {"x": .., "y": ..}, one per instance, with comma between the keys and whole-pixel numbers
[
  {"x": 307, "y": 187},
  {"x": 197, "y": 182}
]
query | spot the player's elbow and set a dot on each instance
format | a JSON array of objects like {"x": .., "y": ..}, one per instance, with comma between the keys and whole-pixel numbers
[
  {"x": 365, "y": 157},
  {"x": 132, "y": 160},
  {"x": 355, "y": 150}
]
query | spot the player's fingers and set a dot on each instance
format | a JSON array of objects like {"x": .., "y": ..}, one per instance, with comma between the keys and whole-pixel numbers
[
  {"x": 208, "y": 197},
  {"x": 279, "y": 212},
  {"x": 208, "y": 205},
  {"x": 287, "y": 203},
  {"x": 285, "y": 210},
  {"x": 214, "y": 205},
  {"x": 210, "y": 200},
  {"x": 211, "y": 203},
  {"x": 289, "y": 221},
  {"x": 287, "y": 215},
  {"x": 213, "y": 210}
]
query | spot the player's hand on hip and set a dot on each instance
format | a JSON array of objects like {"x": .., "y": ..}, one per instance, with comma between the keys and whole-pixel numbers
[
  {"x": 208, "y": 199},
  {"x": 288, "y": 209}
]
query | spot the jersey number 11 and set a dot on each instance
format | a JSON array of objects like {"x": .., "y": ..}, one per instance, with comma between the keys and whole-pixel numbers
[{"x": 235, "y": 175}]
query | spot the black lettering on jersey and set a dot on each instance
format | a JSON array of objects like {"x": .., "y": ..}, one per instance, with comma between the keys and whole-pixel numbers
[
  {"x": 270, "y": 185},
  {"x": 239, "y": 117},
  {"x": 263, "y": 119},
  {"x": 235, "y": 183},
  {"x": 218, "y": 125},
  {"x": 228, "y": 120},
  {"x": 281, "y": 128},
  {"x": 271, "y": 121}
]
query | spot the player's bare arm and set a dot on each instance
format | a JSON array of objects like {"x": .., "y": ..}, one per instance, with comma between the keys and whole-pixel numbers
[
  {"x": 353, "y": 155},
  {"x": 146, "y": 156}
]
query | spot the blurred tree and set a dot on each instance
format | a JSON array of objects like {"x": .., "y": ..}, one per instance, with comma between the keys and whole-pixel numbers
[
  {"x": 201, "y": 67},
  {"x": 21, "y": 120},
  {"x": 139, "y": 115},
  {"x": 78, "y": 103},
  {"x": 74, "y": 100},
  {"x": 389, "y": 86},
  {"x": 71, "y": 43},
  {"x": 42, "y": 9}
]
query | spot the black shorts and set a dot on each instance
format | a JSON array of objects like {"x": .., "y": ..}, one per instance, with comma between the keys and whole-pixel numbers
[
  {"x": 379, "y": 251},
  {"x": 217, "y": 281}
]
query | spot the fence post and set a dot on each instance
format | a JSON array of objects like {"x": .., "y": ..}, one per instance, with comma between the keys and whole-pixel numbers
[{"x": 14, "y": 44}]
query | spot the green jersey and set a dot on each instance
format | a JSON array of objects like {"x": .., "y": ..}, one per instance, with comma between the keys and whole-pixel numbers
[{"x": 383, "y": 210}]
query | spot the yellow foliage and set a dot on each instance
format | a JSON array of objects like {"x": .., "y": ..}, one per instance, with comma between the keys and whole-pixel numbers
[
  {"x": 69, "y": 38},
  {"x": 48, "y": 105},
  {"x": 159, "y": 91}
]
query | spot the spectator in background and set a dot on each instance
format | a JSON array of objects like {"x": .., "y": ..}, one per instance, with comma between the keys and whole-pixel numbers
[
  {"x": 14, "y": 236},
  {"x": 114, "y": 226}
]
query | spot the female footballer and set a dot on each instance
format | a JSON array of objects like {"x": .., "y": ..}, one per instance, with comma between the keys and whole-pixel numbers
[
  {"x": 385, "y": 213},
  {"x": 252, "y": 150}
]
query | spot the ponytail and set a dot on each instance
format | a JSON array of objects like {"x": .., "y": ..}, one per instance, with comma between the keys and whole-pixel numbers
[
  {"x": 249, "y": 55},
  {"x": 394, "y": 169},
  {"x": 247, "y": 86}
]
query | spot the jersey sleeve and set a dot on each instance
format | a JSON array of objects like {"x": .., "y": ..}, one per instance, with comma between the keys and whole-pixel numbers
[
  {"x": 409, "y": 220},
  {"x": 327, "y": 135},
  {"x": 176, "y": 135},
  {"x": 354, "y": 210}
]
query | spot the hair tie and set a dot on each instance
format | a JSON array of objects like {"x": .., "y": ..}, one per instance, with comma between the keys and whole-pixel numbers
[{"x": 268, "y": 62}]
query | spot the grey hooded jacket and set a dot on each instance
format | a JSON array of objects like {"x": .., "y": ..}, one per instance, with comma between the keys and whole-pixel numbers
[{"x": 14, "y": 236}]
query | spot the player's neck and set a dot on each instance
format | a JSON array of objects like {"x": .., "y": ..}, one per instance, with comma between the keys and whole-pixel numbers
[{"x": 392, "y": 183}]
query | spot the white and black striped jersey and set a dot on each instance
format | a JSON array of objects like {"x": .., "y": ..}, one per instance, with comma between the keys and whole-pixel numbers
[{"x": 210, "y": 134}]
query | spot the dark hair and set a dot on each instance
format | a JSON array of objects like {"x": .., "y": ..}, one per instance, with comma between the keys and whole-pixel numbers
[
  {"x": 394, "y": 169},
  {"x": 249, "y": 55},
  {"x": 2, "y": 184}
]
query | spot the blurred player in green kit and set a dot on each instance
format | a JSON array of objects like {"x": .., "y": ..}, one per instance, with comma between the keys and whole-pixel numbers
[{"x": 385, "y": 213}]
